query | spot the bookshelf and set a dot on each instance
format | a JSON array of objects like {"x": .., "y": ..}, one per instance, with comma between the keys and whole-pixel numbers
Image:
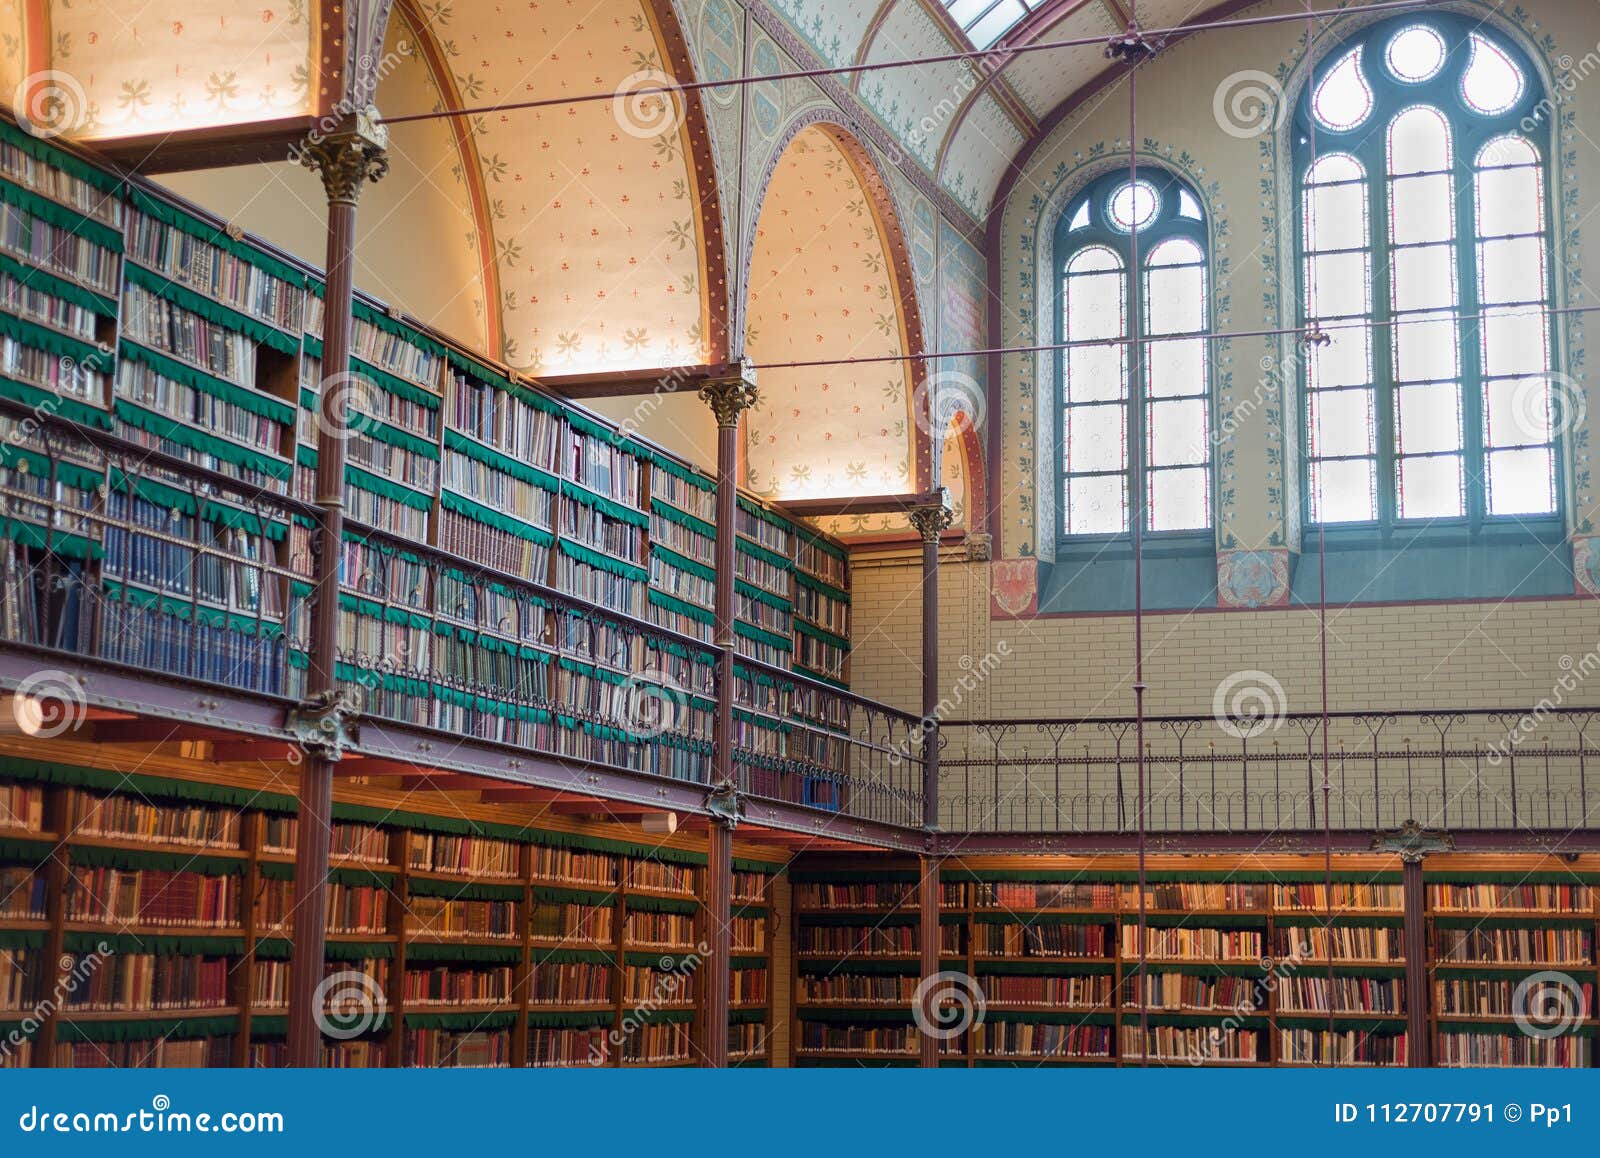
[
  {"x": 489, "y": 943},
  {"x": 475, "y": 501},
  {"x": 1246, "y": 961}
]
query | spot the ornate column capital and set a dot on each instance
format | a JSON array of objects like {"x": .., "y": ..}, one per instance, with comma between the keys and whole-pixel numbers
[
  {"x": 932, "y": 519},
  {"x": 1411, "y": 842},
  {"x": 728, "y": 396},
  {"x": 350, "y": 156}
]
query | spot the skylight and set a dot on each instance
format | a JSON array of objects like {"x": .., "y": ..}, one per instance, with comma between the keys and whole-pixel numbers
[{"x": 986, "y": 21}]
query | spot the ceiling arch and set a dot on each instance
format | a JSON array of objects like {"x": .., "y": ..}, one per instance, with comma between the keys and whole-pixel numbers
[{"x": 829, "y": 276}]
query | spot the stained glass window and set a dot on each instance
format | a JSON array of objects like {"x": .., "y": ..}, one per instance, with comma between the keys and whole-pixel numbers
[
  {"x": 1422, "y": 207},
  {"x": 1101, "y": 230}
]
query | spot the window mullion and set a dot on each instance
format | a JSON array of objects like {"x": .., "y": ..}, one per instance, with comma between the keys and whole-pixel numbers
[
  {"x": 1382, "y": 336},
  {"x": 1469, "y": 330}
]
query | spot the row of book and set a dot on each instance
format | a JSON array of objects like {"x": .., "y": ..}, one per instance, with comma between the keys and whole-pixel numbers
[
  {"x": 59, "y": 250},
  {"x": 28, "y": 301},
  {"x": 366, "y": 403},
  {"x": 153, "y": 321},
  {"x": 21, "y": 806},
  {"x": 22, "y": 167},
  {"x": 500, "y": 491},
  {"x": 1497, "y": 997},
  {"x": 213, "y": 272},
  {"x": 438, "y": 917},
  {"x": 458, "y": 985},
  {"x": 22, "y": 893},
  {"x": 686, "y": 496},
  {"x": 573, "y": 922},
  {"x": 1506, "y": 1049},
  {"x": 351, "y": 839},
  {"x": 1493, "y": 898},
  {"x": 667, "y": 930},
  {"x": 185, "y": 406},
  {"x": 140, "y": 981},
  {"x": 270, "y": 982},
  {"x": 1513, "y": 945},
  {"x": 381, "y": 346},
  {"x": 475, "y": 855},
  {"x": 525, "y": 432},
  {"x": 352, "y": 909},
  {"x": 163, "y": 1053},
  {"x": 513, "y": 553},
  {"x": 156, "y": 897},
  {"x": 135, "y": 818}
]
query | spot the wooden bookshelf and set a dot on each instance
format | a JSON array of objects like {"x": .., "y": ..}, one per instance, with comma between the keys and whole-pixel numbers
[{"x": 446, "y": 913}]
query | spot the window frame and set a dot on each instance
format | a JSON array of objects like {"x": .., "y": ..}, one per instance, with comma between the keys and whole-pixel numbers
[
  {"x": 1469, "y": 132},
  {"x": 1166, "y": 225}
]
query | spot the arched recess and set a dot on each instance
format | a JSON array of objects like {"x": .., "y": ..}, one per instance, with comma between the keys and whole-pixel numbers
[
  {"x": 828, "y": 275},
  {"x": 960, "y": 465}
]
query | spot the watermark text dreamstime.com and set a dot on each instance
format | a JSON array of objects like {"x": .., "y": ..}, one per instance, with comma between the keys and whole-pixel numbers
[
  {"x": 1574, "y": 672},
  {"x": 158, "y": 1118},
  {"x": 75, "y": 971}
]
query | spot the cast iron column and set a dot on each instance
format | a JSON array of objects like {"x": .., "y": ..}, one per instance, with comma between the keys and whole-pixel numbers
[
  {"x": 728, "y": 398},
  {"x": 346, "y": 160},
  {"x": 931, "y": 521}
]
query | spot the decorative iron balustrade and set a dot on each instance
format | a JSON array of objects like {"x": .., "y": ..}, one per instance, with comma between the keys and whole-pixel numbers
[
  {"x": 1467, "y": 769},
  {"x": 117, "y": 553}
]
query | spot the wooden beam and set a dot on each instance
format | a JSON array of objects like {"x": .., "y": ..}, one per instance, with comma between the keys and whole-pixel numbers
[
  {"x": 411, "y": 778},
  {"x": 551, "y": 796},
  {"x": 208, "y": 148},
  {"x": 858, "y": 505},
  {"x": 140, "y": 731},
  {"x": 593, "y": 806},
  {"x": 628, "y": 383},
  {"x": 251, "y": 751}
]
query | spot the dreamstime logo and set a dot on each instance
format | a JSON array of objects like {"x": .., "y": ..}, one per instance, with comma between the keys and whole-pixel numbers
[
  {"x": 974, "y": 673},
  {"x": 1248, "y": 103},
  {"x": 643, "y": 112},
  {"x": 653, "y": 703},
  {"x": 1248, "y": 703},
  {"x": 75, "y": 971},
  {"x": 49, "y": 703},
  {"x": 345, "y": 394},
  {"x": 1547, "y": 1004},
  {"x": 948, "y": 1004},
  {"x": 348, "y": 1004},
  {"x": 671, "y": 985},
  {"x": 50, "y": 104},
  {"x": 1550, "y": 402},
  {"x": 1574, "y": 672},
  {"x": 941, "y": 396}
]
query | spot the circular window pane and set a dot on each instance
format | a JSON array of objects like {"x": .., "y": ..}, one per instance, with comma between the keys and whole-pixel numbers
[
  {"x": 1134, "y": 205},
  {"x": 1416, "y": 54}
]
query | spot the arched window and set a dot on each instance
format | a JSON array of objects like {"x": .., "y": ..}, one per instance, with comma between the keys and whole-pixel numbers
[
  {"x": 1421, "y": 181},
  {"x": 1096, "y": 242}
]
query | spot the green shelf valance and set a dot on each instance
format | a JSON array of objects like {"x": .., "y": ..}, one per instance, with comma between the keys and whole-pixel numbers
[
  {"x": 277, "y": 1025},
  {"x": 1199, "y": 1021},
  {"x": 135, "y": 859},
  {"x": 463, "y": 890},
  {"x": 552, "y": 894},
  {"x": 493, "y": 378},
  {"x": 398, "y": 329},
  {"x": 683, "y": 562},
  {"x": 820, "y": 541},
  {"x": 608, "y": 507},
  {"x": 385, "y": 432},
  {"x": 168, "y": 214},
  {"x": 1130, "y": 876},
  {"x": 1348, "y": 921},
  {"x": 663, "y": 961},
  {"x": 394, "y": 384},
  {"x": 41, "y": 150},
  {"x": 59, "y": 215},
  {"x": 1052, "y": 1017},
  {"x": 478, "y": 513},
  {"x": 1029, "y": 919},
  {"x": 21, "y": 939},
  {"x": 746, "y": 1017},
  {"x": 757, "y": 551},
  {"x": 480, "y": 1020},
  {"x": 750, "y": 631},
  {"x": 1049, "y": 967},
  {"x": 756, "y": 510},
  {"x": 683, "y": 518},
  {"x": 750, "y": 590},
  {"x": 570, "y": 957},
  {"x": 38, "y": 337},
  {"x": 104, "y": 780},
  {"x": 280, "y": 949},
  {"x": 212, "y": 311},
  {"x": 578, "y": 1019},
  {"x": 1504, "y": 1029},
  {"x": 854, "y": 876},
  {"x": 179, "y": 607},
  {"x": 818, "y": 585},
  {"x": 684, "y": 473},
  {"x": 167, "y": 1028},
  {"x": 37, "y": 278},
  {"x": 678, "y": 606},
  {"x": 1509, "y": 878},
  {"x": 488, "y": 456},
  {"x": 640, "y": 1015},
  {"x": 819, "y": 633},
  {"x": 1526, "y": 921},
  {"x": 254, "y": 401},
  {"x": 661, "y": 905},
  {"x": 737, "y": 962},
  {"x": 357, "y": 477},
  {"x": 67, "y": 472},
  {"x": 446, "y": 951},
  {"x": 176, "y": 945},
  {"x": 585, "y": 425},
  {"x": 71, "y": 409},
  {"x": 897, "y": 1016},
  {"x": 184, "y": 434},
  {"x": 211, "y": 510},
  {"x": 602, "y": 562},
  {"x": 770, "y": 867}
]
